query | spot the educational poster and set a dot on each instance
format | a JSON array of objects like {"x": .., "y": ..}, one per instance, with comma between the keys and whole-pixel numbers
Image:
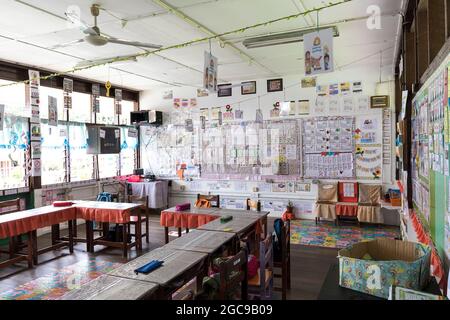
[
  {"x": 368, "y": 162},
  {"x": 52, "y": 111},
  {"x": 345, "y": 88},
  {"x": 328, "y": 147},
  {"x": 118, "y": 101},
  {"x": 362, "y": 103},
  {"x": 2, "y": 116},
  {"x": 321, "y": 105},
  {"x": 95, "y": 98},
  {"x": 167, "y": 95},
  {"x": 210, "y": 73},
  {"x": 318, "y": 50},
  {"x": 303, "y": 107},
  {"x": 357, "y": 87},
  {"x": 67, "y": 92},
  {"x": 309, "y": 82},
  {"x": 348, "y": 104},
  {"x": 202, "y": 93},
  {"x": 35, "y": 149},
  {"x": 322, "y": 90}
]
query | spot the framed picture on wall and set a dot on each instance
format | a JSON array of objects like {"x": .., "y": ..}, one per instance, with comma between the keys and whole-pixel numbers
[
  {"x": 248, "y": 87},
  {"x": 274, "y": 85},
  {"x": 224, "y": 90}
]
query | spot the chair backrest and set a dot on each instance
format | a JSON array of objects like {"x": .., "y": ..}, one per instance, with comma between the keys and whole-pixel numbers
[
  {"x": 265, "y": 260},
  {"x": 348, "y": 192},
  {"x": 233, "y": 272},
  {"x": 214, "y": 200},
  {"x": 254, "y": 205},
  {"x": 369, "y": 194},
  {"x": 9, "y": 206},
  {"x": 327, "y": 192},
  {"x": 282, "y": 248},
  {"x": 104, "y": 197},
  {"x": 138, "y": 200}
]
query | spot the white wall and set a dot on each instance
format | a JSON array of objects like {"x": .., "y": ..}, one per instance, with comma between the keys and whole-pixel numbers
[{"x": 153, "y": 100}]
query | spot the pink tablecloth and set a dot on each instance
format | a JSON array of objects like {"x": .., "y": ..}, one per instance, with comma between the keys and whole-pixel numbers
[{"x": 112, "y": 212}]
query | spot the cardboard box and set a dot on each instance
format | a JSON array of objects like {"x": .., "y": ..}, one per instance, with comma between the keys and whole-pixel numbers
[{"x": 394, "y": 262}]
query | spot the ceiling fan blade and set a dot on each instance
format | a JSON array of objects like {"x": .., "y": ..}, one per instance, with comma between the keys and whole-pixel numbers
[
  {"x": 75, "y": 19},
  {"x": 134, "y": 43},
  {"x": 67, "y": 44}
]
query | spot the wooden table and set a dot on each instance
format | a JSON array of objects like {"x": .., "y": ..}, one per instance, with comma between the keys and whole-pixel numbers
[
  {"x": 178, "y": 268},
  {"x": 331, "y": 290},
  {"x": 28, "y": 222},
  {"x": 105, "y": 213},
  {"x": 196, "y": 217},
  {"x": 107, "y": 287},
  {"x": 203, "y": 241}
]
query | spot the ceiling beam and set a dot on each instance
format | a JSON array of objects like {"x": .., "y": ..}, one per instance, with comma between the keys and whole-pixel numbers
[
  {"x": 209, "y": 32},
  {"x": 83, "y": 59}
]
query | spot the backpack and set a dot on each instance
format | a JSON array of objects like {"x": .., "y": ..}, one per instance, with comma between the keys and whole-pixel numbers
[
  {"x": 276, "y": 236},
  {"x": 104, "y": 197}
]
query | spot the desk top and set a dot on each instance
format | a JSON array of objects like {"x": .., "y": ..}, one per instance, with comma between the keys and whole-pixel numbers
[
  {"x": 105, "y": 205},
  {"x": 201, "y": 241},
  {"x": 220, "y": 212},
  {"x": 108, "y": 287},
  {"x": 331, "y": 290},
  {"x": 238, "y": 224},
  {"x": 176, "y": 262},
  {"x": 193, "y": 210}
]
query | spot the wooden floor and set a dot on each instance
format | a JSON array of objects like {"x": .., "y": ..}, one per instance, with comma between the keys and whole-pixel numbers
[{"x": 309, "y": 264}]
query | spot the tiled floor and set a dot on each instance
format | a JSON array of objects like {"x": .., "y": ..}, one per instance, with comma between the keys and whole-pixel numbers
[{"x": 309, "y": 264}]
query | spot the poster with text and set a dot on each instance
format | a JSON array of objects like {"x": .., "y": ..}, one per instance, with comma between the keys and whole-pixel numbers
[
  {"x": 2, "y": 115},
  {"x": 319, "y": 52},
  {"x": 210, "y": 73},
  {"x": 52, "y": 111}
]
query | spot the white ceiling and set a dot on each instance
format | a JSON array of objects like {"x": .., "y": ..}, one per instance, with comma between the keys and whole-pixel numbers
[{"x": 29, "y": 27}]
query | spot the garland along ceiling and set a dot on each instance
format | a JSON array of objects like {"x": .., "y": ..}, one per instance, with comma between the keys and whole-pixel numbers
[{"x": 34, "y": 32}]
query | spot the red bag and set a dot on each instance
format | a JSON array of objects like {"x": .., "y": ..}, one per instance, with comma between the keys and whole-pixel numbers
[{"x": 252, "y": 266}]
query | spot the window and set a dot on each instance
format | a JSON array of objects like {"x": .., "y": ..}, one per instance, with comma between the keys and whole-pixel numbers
[
  {"x": 107, "y": 113},
  {"x": 127, "y": 107},
  {"x": 81, "y": 108},
  {"x": 13, "y": 97},
  {"x": 13, "y": 145},
  {"x": 53, "y": 155},
  {"x": 128, "y": 148},
  {"x": 81, "y": 163},
  {"x": 108, "y": 165},
  {"x": 44, "y": 92}
]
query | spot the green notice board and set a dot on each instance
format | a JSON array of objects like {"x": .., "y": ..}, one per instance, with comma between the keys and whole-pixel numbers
[{"x": 438, "y": 209}]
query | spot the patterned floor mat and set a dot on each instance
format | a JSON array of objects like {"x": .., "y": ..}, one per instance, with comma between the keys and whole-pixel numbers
[
  {"x": 326, "y": 234},
  {"x": 57, "y": 284}
]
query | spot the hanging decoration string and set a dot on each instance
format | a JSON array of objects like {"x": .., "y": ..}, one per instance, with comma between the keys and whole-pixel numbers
[{"x": 188, "y": 43}]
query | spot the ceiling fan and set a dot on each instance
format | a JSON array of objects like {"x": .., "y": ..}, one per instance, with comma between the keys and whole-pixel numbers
[{"x": 93, "y": 34}]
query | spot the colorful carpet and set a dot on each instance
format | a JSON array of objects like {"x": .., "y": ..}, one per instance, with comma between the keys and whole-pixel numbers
[
  {"x": 326, "y": 234},
  {"x": 53, "y": 286}
]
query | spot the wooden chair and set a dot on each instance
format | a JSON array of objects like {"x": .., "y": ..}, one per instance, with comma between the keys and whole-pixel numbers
[
  {"x": 254, "y": 205},
  {"x": 262, "y": 284},
  {"x": 213, "y": 199},
  {"x": 327, "y": 198},
  {"x": 233, "y": 273},
  {"x": 11, "y": 206},
  {"x": 146, "y": 218},
  {"x": 283, "y": 261}
]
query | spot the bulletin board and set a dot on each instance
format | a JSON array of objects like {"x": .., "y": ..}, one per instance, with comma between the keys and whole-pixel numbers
[
  {"x": 369, "y": 146},
  {"x": 270, "y": 148},
  {"x": 328, "y": 147},
  {"x": 430, "y": 157}
]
